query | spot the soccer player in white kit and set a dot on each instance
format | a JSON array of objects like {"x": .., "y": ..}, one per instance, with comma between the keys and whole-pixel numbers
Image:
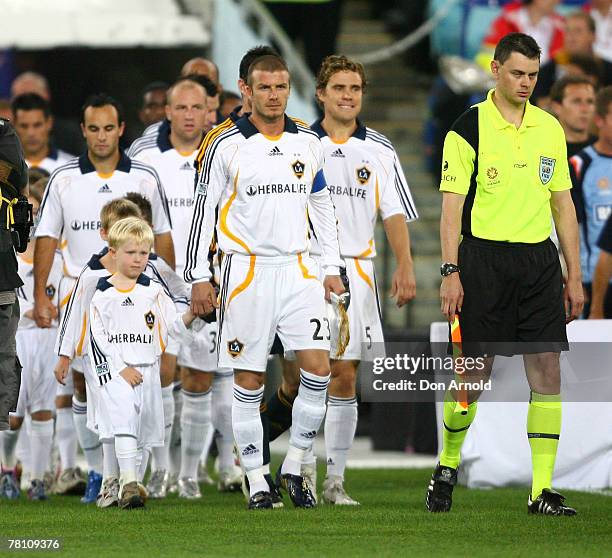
[
  {"x": 37, "y": 389},
  {"x": 365, "y": 179},
  {"x": 71, "y": 210},
  {"x": 264, "y": 175},
  {"x": 130, "y": 318},
  {"x": 172, "y": 152}
]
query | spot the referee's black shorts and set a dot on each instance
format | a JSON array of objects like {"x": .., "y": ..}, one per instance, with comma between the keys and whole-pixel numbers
[{"x": 513, "y": 298}]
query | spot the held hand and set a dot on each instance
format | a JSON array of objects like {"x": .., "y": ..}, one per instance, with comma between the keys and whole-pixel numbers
[
  {"x": 573, "y": 298},
  {"x": 131, "y": 376},
  {"x": 451, "y": 296},
  {"x": 403, "y": 285},
  {"x": 61, "y": 369},
  {"x": 203, "y": 298},
  {"x": 44, "y": 312},
  {"x": 333, "y": 284}
]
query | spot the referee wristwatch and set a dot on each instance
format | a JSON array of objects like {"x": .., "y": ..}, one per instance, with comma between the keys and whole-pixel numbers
[{"x": 447, "y": 268}]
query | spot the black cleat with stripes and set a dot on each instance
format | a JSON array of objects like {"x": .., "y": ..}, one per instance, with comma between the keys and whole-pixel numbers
[
  {"x": 549, "y": 502},
  {"x": 298, "y": 490},
  {"x": 440, "y": 490}
]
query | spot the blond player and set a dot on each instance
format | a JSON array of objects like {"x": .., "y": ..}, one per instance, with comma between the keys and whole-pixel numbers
[{"x": 130, "y": 317}]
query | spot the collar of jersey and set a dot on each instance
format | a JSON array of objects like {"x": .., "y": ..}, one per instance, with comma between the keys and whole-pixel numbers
[
  {"x": 86, "y": 165},
  {"x": 53, "y": 153},
  {"x": 248, "y": 129},
  {"x": 359, "y": 133},
  {"x": 94, "y": 262},
  {"x": 529, "y": 118},
  {"x": 163, "y": 138},
  {"x": 104, "y": 283}
]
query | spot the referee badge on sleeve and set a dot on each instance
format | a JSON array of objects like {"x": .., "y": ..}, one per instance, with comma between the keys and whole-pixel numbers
[{"x": 547, "y": 168}]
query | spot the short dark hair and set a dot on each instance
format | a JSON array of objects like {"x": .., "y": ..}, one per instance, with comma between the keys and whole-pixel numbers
[
  {"x": 516, "y": 42},
  {"x": 603, "y": 100},
  {"x": 588, "y": 64},
  {"x": 585, "y": 16},
  {"x": 267, "y": 63},
  {"x": 154, "y": 86},
  {"x": 228, "y": 96},
  {"x": 101, "y": 100},
  {"x": 252, "y": 55},
  {"x": 30, "y": 101},
  {"x": 143, "y": 204},
  {"x": 557, "y": 91},
  {"x": 207, "y": 83}
]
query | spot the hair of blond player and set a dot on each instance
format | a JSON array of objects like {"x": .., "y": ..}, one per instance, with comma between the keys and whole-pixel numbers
[
  {"x": 130, "y": 229},
  {"x": 117, "y": 209}
]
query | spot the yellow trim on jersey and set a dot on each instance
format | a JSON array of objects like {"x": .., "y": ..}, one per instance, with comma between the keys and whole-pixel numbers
[
  {"x": 79, "y": 347},
  {"x": 304, "y": 269},
  {"x": 301, "y": 122},
  {"x": 367, "y": 252},
  {"x": 24, "y": 259},
  {"x": 363, "y": 274},
  {"x": 105, "y": 176},
  {"x": 161, "y": 341},
  {"x": 185, "y": 153},
  {"x": 126, "y": 290},
  {"x": 63, "y": 244},
  {"x": 246, "y": 282},
  {"x": 272, "y": 138},
  {"x": 338, "y": 142},
  {"x": 66, "y": 299},
  {"x": 208, "y": 139},
  {"x": 223, "y": 218}
]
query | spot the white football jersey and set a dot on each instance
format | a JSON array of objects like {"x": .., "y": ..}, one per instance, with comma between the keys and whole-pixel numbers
[
  {"x": 56, "y": 158},
  {"x": 130, "y": 328},
  {"x": 75, "y": 196},
  {"x": 265, "y": 190},
  {"x": 25, "y": 293},
  {"x": 364, "y": 177},
  {"x": 177, "y": 175},
  {"x": 72, "y": 336}
]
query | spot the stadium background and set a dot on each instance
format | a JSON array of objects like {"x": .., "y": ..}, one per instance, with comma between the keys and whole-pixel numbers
[{"x": 119, "y": 47}]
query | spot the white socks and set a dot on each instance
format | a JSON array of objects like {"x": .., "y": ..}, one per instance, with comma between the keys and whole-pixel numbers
[
  {"x": 174, "y": 450},
  {"x": 307, "y": 416},
  {"x": 160, "y": 455},
  {"x": 340, "y": 426},
  {"x": 222, "y": 420},
  {"x": 127, "y": 454},
  {"x": 248, "y": 433},
  {"x": 65, "y": 437},
  {"x": 195, "y": 422},
  {"x": 111, "y": 465},
  {"x": 41, "y": 438},
  {"x": 88, "y": 440},
  {"x": 9, "y": 441}
]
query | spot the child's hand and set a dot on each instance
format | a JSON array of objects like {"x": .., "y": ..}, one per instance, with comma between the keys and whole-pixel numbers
[
  {"x": 131, "y": 376},
  {"x": 61, "y": 369},
  {"x": 188, "y": 318}
]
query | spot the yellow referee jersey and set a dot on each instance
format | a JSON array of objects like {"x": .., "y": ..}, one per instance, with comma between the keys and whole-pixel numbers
[{"x": 505, "y": 173}]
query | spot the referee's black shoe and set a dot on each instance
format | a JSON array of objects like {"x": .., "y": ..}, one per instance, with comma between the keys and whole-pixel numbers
[
  {"x": 260, "y": 501},
  {"x": 549, "y": 502},
  {"x": 297, "y": 488},
  {"x": 439, "y": 496}
]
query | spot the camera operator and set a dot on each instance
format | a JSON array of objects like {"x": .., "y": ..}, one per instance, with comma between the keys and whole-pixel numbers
[{"x": 15, "y": 223}]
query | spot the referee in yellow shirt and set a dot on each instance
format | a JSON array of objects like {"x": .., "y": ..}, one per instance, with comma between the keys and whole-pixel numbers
[{"x": 504, "y": 171}]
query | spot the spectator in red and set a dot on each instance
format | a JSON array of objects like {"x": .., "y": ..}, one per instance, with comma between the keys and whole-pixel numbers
[{"x": 533, "y": 17}]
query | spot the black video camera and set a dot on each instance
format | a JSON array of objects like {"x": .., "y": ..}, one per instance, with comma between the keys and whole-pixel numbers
[{"x": 22, "y": 223}]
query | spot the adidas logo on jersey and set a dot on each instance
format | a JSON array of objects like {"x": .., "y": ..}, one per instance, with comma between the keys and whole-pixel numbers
[
  {"x": 275, "y": 151},
  {"x": 250, "y": 450},
  {"x": 338, "y": 153},
  {"x": 105, "y": 189},
  {"x": 127, "y": 302},
  {"x": 187, "y": 166},
  {"x": 309, "y": 435}
]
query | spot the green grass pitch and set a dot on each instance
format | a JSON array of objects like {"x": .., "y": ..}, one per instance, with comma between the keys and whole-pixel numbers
[{"x": 392, "y": 521}]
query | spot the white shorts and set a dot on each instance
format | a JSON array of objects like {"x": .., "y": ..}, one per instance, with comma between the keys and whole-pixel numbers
[
  {"x": 201, "y": 354},
  {"x": 364, "y": 314},
  {"x": 92, "y": 388},
  {"x": 134, "y": 411},
  {"x": 35, "y": 349},
  {"x": 65, "y": 290},
  {"x": 261, "y": 297}
]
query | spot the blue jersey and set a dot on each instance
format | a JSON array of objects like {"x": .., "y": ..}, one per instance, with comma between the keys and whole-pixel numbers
[{"x": 592, "y": 194}]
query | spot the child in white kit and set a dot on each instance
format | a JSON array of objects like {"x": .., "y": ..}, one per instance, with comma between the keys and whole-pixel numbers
[{"x": 130, "y": 316}]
